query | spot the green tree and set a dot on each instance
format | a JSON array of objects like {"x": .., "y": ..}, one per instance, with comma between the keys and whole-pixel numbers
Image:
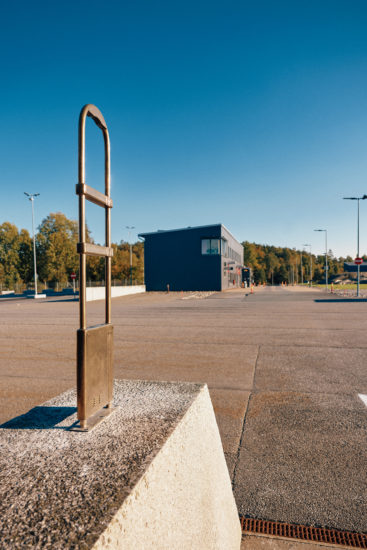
[
  {"x": 25, "y": 257},
  {"x": 56, "y": 248},
  {"x": 9, "y": 255}
]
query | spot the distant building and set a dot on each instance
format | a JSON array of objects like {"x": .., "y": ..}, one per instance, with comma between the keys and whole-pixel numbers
[{"x": 193, "y": 258}]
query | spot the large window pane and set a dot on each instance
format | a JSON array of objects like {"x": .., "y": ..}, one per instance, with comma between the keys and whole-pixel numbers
[
  {"x": 210, "y": 246},
  {"x": 224, "y": 247},
  {"x": 205, "y": 246},
  {"x": 215, "y": 246}
]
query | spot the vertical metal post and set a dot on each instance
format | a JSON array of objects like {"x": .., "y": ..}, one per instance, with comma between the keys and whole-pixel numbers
[
  {"x": 82, "y": 257},
  {"x": 31, "y": 198},
  {"x": 326, "y": 264},
  {"x": 130, "y": 227},
  {"x": 108, "y": 225},
  {"x": 34, "y": 249},
  {"x": 311, "y": 267},
  {"x": 94, "y": 344},
  {"x": 358, "y": 266},
  {"x": 301, "y": 270},
  {"x": 131, "y": 264},
  {"x": 310, "y": 263}
]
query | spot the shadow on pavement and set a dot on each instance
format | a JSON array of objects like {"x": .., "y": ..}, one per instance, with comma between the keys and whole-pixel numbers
[
  {"x": 343, "y": 300},
  {"x": 40, "y": 418},
  {"x": 71, "y": 299}
]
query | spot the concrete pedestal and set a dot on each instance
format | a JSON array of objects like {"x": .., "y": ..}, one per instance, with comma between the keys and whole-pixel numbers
[{"x": 151, "y": 476}]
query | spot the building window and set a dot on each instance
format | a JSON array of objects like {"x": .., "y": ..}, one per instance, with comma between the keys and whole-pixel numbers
[
  {"x": 224, "y": 247},
  {"x": 210, "y": 246}
]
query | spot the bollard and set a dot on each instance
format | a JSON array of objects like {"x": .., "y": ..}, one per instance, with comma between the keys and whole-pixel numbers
[
  {"x": 252, "y": 289},
  {"x": 167, "y": 289}
]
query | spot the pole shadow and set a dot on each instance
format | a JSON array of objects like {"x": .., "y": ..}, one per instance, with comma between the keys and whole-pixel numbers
[{"x": 40, "y": 418}]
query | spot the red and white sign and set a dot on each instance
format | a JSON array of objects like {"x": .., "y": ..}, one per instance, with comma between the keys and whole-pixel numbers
[
  {"x": 72, "y": 276},
  {"x": 358, "y": 261}
]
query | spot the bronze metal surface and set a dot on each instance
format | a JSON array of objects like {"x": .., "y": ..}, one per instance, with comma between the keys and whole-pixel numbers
[
  {"x": 94, "y": 369},
  {"x": 93, "y": 195},
  {"x": 94, "y": 420},
  {"x": 91, "y": 249},
  {"x": 94, "y": 344}
]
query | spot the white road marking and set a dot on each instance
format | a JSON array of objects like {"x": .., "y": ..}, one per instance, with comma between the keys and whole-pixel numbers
[{"x": 363, "y": 398}]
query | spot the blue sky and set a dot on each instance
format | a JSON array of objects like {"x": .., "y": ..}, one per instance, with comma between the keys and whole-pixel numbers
[{"x": 253, "y": 114}]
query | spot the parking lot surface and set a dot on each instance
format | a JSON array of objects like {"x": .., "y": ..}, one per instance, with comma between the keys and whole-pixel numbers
[{"x": 285, "y": 368}]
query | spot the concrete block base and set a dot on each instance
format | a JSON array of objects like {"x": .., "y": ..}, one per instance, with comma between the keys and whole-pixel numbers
[
  {"x": 152, "y": 475},
  {"x": 99, "y": 293}
]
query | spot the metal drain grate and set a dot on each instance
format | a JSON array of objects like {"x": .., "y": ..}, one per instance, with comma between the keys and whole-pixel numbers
[{"x": 302, "y": 532}]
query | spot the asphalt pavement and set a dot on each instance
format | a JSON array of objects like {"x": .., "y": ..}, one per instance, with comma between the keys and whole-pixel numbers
[{"x": 285, "y": 368}]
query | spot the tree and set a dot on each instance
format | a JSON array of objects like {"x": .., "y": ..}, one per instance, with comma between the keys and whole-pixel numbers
[
  {"x": 25, "y": 257},
  {"x": 56, "y": 248},
  {"x": 9, "y": 255}
]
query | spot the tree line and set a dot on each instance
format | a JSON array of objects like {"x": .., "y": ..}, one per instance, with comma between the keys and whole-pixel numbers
[
  {"x": 271, "y": 264},
  {"x": 56, "y": 255},
  {"x": 57, "y": 258}
]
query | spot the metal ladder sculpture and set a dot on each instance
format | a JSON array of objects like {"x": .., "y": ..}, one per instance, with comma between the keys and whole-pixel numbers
[{"x": 94, "y": 344}]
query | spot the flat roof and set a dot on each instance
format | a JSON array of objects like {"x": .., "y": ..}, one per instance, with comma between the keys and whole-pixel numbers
[{"x": 186, "y": 229}]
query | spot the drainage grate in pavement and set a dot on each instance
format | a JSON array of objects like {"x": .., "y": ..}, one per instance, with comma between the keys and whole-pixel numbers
[{"x": 302, "y": 532}]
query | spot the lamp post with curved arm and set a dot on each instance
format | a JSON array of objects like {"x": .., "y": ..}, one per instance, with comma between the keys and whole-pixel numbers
[
  {"x": 130, "y": 228},
  {"x": 326, "y": 265},
  {"x": 31, "y": 198},
  {"x": 357, "y": 199},
  {"x": 311, "y": 263}
]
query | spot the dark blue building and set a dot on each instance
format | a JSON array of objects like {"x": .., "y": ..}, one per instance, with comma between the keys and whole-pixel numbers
[{"x": 193, "y": 258}]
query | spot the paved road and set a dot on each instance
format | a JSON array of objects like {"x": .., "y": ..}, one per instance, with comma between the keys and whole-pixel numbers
[{"x": 284, "y": 368}]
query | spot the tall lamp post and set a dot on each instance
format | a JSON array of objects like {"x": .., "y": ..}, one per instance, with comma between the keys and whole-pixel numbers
[
  {"x": 130, "y": 228},
  {"x": 301, "y": 270},
  {"x": 31, "y": 198},
  {"x": 310, "y": 264},
  {"x": 357, "y": 199},
  {"x": 326, "y": 266}
]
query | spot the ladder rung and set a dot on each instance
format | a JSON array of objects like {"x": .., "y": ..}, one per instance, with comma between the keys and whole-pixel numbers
[
  {"x": 93, "y": 195},
  {"x": 94, "y": 249}
]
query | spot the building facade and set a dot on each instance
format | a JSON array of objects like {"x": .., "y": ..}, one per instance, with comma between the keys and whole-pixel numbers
[{"x": 193, "y": 258}]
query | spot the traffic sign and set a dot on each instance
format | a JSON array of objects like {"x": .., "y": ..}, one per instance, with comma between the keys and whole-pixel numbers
[
  {"x": 358, "y": 261},
  {"x": 72, "y": 276}
]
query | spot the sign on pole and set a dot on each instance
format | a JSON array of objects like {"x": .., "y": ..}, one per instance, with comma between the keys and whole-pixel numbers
[{"x": 358, "y": 261}]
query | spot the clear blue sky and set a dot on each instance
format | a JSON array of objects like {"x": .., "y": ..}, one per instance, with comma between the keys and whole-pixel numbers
[{"x": 253, "y": 114}]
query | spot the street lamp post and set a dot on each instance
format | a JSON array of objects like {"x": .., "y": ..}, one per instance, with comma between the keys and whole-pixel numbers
[
  {"x": 130, "y": 228},
  {"x": 326, "y": 265},
  {"x": 31, "y": 197},
  {"x": 358, "y": 267},
  {"x": 310, "y": 264},
  {"x": 301, "y": 270}
]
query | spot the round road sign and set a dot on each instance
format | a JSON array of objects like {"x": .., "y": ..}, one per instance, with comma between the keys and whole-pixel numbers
[
  {"x": 72, "y": 276},
  {"x": 358, "y": 261}
]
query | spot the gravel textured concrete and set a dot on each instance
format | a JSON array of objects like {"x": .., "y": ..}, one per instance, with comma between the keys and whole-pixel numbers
[
  {"x": 127, "y": 484},
  {"x": 284, "y": 368}
]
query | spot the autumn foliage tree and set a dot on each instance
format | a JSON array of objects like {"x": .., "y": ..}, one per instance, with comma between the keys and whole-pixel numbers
[
  {"x": 15, "y": 254},
  {"x": 57, "y": 258},
  {"x": 277, "y": 264},
  {"x": 56, "y": 248}
]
